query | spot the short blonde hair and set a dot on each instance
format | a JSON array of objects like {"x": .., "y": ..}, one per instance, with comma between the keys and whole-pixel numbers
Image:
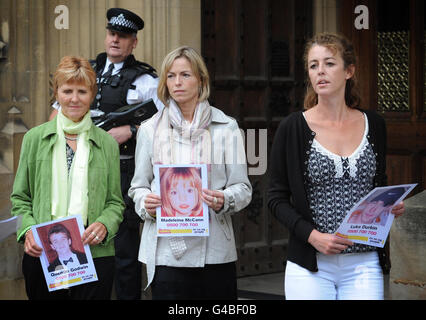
[
  {"x": 74, "y": 69},
  {"x": 197, "y": 66}
]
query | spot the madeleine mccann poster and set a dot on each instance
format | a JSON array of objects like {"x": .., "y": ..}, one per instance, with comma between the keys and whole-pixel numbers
[
  {"x": 370, "y": 220},
  {"x": 66, "y": 262},
  {"x": 182, "y": 212}
]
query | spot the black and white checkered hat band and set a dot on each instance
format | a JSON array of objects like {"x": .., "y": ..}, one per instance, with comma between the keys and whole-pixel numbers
[{"x": 121, "y": 21}]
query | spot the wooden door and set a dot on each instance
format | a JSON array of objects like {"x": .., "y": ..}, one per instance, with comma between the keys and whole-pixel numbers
[
  {"x": 392, "y": 76},
  {"x": 253, "y": 50}
]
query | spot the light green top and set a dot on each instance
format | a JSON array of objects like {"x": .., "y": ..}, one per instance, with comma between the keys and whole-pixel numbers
[{"x": 31, "y": 195}]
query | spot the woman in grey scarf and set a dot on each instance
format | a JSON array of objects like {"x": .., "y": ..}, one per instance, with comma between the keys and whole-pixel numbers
[{"x": 190, "y": 131}]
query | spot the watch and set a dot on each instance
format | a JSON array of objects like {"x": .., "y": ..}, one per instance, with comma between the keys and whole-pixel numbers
[{"x": 133, "y": 130}]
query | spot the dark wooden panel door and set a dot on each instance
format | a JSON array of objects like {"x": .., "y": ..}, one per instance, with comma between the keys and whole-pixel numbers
[
  {"x": 253, "y": 50},
  {"x": 392, "y": 76}
]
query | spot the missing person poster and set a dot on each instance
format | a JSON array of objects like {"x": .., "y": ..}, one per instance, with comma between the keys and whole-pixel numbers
[
  {"x": 9, "y": 226},
  {"x": 66, "y": 262},
  {"x": 370, "y": 220},
  {"x": 182, "y": 211}
]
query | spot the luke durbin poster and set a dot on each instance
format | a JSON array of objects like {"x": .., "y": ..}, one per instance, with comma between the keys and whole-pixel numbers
[{"x": 370, "y": 220}]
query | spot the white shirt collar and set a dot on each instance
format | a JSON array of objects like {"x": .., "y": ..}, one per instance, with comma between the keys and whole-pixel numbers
[{"x": 117, "y": 66}]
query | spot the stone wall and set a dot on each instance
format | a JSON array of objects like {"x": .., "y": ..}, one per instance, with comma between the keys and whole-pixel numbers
[
  {"x": 11, "y": 284},
  {"x": 408, "y": 251}
]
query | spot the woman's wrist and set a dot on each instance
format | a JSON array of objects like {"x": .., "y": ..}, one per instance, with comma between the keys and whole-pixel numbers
[
  {"x": 26, "y": 232},
  {"x": 148, "y": 214},
  {"x": 313, "y": 236}
]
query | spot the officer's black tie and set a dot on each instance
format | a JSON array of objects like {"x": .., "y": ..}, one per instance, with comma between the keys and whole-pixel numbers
[
  {"x": 108, "y": 74},
  {"x": 103, "y": 79}
]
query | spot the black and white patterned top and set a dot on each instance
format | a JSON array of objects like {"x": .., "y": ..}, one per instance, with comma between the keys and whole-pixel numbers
[
  {"x": 70, "y": 157},
  {"x": 335, "y": 184}
]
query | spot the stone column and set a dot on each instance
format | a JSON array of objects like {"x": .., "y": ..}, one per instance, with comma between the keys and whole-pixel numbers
[
  {"x": 11, "y": 135},
  {"x": 18, "y": 85},
  {"x": 325, "y": 16},
  {"x": 408, "y": 251}
]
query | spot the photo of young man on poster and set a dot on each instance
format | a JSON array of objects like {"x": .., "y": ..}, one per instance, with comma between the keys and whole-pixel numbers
[
  {"x": 369, "y": 221},
  {"x": 376, "y": 209},
  {"x": 65, "y": 260},
  {"x": 61, "y": 242}
]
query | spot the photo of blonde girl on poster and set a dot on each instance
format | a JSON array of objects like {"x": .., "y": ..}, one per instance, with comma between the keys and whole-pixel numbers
[
  {"x": 181, "y": 189},
  {"x": 183, "y": 211}
]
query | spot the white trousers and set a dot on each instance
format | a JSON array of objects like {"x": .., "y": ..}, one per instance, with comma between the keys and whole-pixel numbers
[{"x": 351, "y": 276}]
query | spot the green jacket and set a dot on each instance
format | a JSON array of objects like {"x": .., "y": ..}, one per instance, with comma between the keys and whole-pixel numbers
[{"x": 31, "y": 195}]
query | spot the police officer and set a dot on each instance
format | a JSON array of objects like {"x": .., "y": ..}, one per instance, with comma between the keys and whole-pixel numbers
[{"x": 123, "y": 80}]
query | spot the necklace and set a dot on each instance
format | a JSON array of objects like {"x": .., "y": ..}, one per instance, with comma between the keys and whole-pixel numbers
[{"x": 71, "y": 138}]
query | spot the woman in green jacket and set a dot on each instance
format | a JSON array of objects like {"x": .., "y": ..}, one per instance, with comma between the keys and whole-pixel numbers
[{"x": 68, "y": 166}]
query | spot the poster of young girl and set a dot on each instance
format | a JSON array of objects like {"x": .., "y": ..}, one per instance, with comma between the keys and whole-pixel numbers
[{"x": 182, "y": 210}]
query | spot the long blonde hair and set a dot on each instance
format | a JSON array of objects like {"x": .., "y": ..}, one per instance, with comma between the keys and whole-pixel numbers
[{"x": 337, "y": 44}]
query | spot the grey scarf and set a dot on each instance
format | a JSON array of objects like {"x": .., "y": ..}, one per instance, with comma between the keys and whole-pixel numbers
[{"x": 171, "y": 126}]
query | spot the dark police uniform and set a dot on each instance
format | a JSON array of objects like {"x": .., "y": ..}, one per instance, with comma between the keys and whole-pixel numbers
[
  {"x": 113, "y": 91},
  {"x": 125, "y": 85}
]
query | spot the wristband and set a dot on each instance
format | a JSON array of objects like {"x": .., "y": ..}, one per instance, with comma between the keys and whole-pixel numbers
[{"x": 133, "y": 130}]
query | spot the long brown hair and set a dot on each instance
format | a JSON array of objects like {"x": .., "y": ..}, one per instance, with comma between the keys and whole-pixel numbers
[{"x": 335, "y": 43}]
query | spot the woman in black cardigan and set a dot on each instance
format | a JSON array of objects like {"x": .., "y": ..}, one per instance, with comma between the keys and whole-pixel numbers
[{"x": 323, "y": 161}]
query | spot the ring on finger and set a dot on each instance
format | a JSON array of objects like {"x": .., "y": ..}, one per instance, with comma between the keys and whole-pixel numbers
[
  {"x": 97, "y": 238},
  {"x": 215, "y": 200}
]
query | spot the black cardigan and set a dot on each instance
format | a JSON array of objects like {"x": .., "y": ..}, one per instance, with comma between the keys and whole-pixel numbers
[{"x": 287, "y": 198}]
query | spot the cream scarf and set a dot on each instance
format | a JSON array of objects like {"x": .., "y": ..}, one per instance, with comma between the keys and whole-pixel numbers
[
  {"x": 171, "y": 125},
  {"x": 171, "y": 121},
  {"x": 70, "y": 192}
]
